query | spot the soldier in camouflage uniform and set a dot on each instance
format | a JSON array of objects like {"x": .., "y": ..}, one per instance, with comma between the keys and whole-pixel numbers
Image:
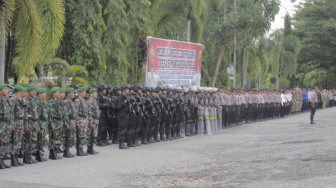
[
  {"x": 6, "y": 127},
  {"x": 42, "y": 121},
  {"x": 32, "y": 125},
  {"x": 93, "y": 118},
  {"x": 18, "y": 104},
  {"x": 55, "y": 122},
  {"x": 82, "y": 121},
  {"x": 70, "y": 122}
]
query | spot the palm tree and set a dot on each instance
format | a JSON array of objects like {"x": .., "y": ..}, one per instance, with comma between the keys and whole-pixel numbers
[
  {"x": 37, "y": 29},
  {"x": 283, "y": 60},
  {"x": 61, "y": 70},
  {"x": 191, "y": 10}
]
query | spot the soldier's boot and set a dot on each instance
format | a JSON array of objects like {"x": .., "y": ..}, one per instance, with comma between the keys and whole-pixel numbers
[
  {"x": 162, "y": 137},
  {"x": 107, "y": 142},
  {"x": 91, "y": 151},
  {"x": 17, "y": 159},
  {"x": 58, "y": 149},
  {"x": 26, "y": 158},
  {"x": 67, "y": 153},
  {"x": 187, "y": 129},
  {"x": 20, "y": 153},
  {"x": 122, "y": 146},
  {"x": 53, "y": 154},
  {"x": 101, "y": 143},
  {"x": 3, "y": 165},
  {"x": 83, "y": 152},
  {"x": 31, "y": 159},
  {"x": 39, "y": 158},
  {"x": 14, "y": 163}
]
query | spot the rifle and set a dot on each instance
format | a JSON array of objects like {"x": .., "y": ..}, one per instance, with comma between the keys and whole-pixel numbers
[
  {"x": 52, "y": 141},
  {"x": 92, "y": 136},
  {"x": 13, "y": 147}
]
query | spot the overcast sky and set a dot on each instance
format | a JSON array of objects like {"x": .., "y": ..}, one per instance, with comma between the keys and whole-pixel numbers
[{"x": 286, "y": 5}]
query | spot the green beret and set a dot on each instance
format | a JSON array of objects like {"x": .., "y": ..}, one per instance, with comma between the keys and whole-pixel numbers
[
  {"x": 62, "y": 90},
  {"x": 92, "y": 90},
  {"x": 69, "y": 90},
  {"x": 40, "y": 90},
  {"x": 24, "y": 89},
  {"x": 81, "y": 89},
  {"x": 31, "y": 87},
  {"x": 18, "y": 88},
  {"x": 2, "y": 86},
  {"x": 53, "y": 90}
]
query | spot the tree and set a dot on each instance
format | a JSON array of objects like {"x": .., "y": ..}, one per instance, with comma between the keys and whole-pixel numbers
[
  {"x": 315, "y": 27},
  {"x": 37, "y": 29},
  {"x": 64, "y": 72},
  {"x": 190, "y": 11}
]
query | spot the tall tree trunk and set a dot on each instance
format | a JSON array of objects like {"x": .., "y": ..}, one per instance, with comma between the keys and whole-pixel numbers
[
  {"x": 219, "y": 60},
  {"x": 220, "y": 57},
  {"x": 243, "y": 67},
  {"x": 2, "y": 47},
  {"x": 188, "y": 29},
  {"x": 136, "y": 60},
  {"x": 235, "y": 42},
  {"x": 10, "y": 50},
  {"x": 278, "y": 75}
]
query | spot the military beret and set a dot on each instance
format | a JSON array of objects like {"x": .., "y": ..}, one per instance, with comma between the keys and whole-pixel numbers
[
  {"x": 81, "y": 89},
  {"x": 2, "y": 86},
  {"x": 40, "y": 90},
  {"x": 62, "y": 90},
  {"x": 31, "y": 87},
  {"x": 69, "y": 90},
  {"x": 18, "y": 88},
  {"x": 92, "y": 90},
  {"x": 24, "y": 89},
  {"x": 53, "y": 90}
]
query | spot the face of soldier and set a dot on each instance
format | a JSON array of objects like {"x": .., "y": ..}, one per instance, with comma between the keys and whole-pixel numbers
[
  {"x": 71, "y": 95},
  {"x": 62, "y": 95},
  {"x": 56, "y": 95},
  {"x": 4, "y": 92},
  {"x": 32, "y": 93},
  {"x": 22, "y": 94},
  {"x": 42, "y": 96},
  {"x": 93, "y": 95},
  {"x": 82, "y": 94},
  {"x": 165, "y": 92},
  {"x": 131, "y": 91},
  {"x": 118, "y": 92},
  {"x": 126, "y": 91}
]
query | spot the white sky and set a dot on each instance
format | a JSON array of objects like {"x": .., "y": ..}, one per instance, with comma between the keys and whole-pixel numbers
[{"x": 286, "y": 5}]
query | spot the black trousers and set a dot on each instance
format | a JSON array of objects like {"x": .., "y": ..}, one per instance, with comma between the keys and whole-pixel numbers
[{"x": 312, "y": 113}]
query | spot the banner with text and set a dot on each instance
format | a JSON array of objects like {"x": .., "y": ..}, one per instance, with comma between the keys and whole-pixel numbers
[{"x": 173, "y": 63}]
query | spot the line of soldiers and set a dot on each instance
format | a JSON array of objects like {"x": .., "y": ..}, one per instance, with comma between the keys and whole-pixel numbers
[
  {"x": 128, "y": 115},
  {"x": 25, "y": 120}
]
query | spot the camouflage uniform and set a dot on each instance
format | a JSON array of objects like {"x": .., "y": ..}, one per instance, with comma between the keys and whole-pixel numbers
[
  {"x": 32, "y": 123},
  {"x": 6, "y": 121},
  {"x": 70, "y": 119},
  {"x": 20, "y": 116},
  {"x": 82, "y": 120},
  {"x": 42, "y": 121},
  {"x": 55, "y": 119},
  {"x": 93, "y": 118}
]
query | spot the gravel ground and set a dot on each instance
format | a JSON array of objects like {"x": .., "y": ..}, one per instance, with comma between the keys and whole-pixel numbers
[{"x": 287, "y": 152}]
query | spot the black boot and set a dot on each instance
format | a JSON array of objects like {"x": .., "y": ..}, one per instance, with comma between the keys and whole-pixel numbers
[
  {"x": 122, "y": 146},
  {"x": 26, "y": 158},
  {"x": 31, "y": 159},
  {"x": 101, "y": 143},
  {"x": 52, "y": 154},
  {"x": 91, "y": 151},
  {"x": 4, "y": 164},
  {"x": 39, "y": 158},
  {"x": 17, "y": 159},
  {"x": 67, "y": 153},
  {"x": 107, "y": 142},
  {"x": 14, "y": 163},
  {"x": 58, "y": 149},
  {"x": 83, "y": 152}
]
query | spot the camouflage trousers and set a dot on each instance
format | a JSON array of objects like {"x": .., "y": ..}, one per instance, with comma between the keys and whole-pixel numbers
[
  {"x": 54, "y": 137},
  {"x": 5, "y": 140},
  {"x": 81, "y": 133},
  {"x": 91, "y": 135},
  {"x": 71, "y": 135}
]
